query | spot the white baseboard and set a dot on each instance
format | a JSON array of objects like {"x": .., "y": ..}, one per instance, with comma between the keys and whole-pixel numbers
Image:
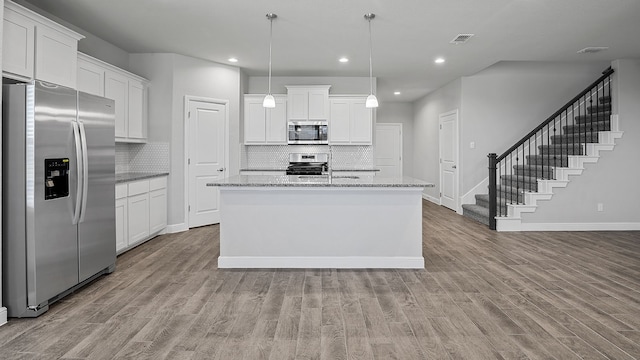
[
  {"x": 176, "y": 228},
  {"x": 581, "y": 227},
  {"x": 3, "y": 315},
  {"x": 431, "y": 198},
  {"x": 470, "y": 196},
  {"x": 323, "y": 262}
]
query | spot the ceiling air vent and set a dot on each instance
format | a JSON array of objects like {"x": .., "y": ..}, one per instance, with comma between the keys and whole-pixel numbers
[
  {"x": 461, "y": 39},
  {"x": 592, "y": 49}
]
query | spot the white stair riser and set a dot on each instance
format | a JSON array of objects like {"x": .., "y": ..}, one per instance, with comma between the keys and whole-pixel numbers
[{"x": 513, "y": 220}]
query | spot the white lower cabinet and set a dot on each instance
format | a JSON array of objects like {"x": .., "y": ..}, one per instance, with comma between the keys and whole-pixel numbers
[
  {"x": 157, "y": 205},
  {"x": 141, "y": 211},
  {"x": 138, "y": 218},
  {"x": 122, "y": 218}
]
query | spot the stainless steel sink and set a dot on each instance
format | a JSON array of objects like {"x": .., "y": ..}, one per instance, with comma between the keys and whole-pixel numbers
[
  {"x": 346, "y": 177},
  {"x": 313, "y": 177}
]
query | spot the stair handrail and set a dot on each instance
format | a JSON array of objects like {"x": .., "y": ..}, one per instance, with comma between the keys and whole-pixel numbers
[
  {"x": 605, "y": 73},
  {"x": 494, "y": 159}
]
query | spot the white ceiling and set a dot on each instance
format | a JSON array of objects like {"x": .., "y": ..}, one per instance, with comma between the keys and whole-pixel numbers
[{"x": 310, "y": 35}]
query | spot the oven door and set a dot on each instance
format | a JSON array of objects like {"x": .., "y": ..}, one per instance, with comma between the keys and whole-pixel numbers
[{"x": 308, "y": 132}]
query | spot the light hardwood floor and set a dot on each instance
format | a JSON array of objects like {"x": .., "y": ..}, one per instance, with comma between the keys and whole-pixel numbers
[{"x": 482, "y": 295}]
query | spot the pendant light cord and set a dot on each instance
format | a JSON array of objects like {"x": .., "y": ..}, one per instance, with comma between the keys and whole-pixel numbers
[
  {"x": 270, "y": 41},
  {"x": 369, "y": 17}
]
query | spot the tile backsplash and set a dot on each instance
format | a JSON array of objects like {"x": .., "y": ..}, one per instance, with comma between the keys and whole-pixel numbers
[
  {"x": 277, "y": 156},
  {"x": 149, "y": 157}
]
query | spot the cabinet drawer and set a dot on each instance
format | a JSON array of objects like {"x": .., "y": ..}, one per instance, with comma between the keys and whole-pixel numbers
[
  {"x": 157, "y": 183},
  {"x": 121, "y": 191},
  {"x": 138, "y": 187}
]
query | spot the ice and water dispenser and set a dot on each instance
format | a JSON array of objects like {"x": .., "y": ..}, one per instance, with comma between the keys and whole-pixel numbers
[{"x": 56, "y": 178}]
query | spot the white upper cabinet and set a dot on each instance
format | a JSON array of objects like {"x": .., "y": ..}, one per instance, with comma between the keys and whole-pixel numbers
[
  {"x": 136, "y": 123},
  {"x": 308, "y": 102},
  {"x": 90, "y": 76},
  {"x": 116, "y": 88},
  {"x": 350, "y": 122},
  {"x": 265, "y": 126},
  {"x": 127, "y": 90},
  {"x": 18, "y": 42},
  {"x": 35, "y": 47}
]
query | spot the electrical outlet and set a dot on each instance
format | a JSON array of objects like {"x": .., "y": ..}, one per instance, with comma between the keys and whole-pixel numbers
[
  {"x": 472, "y": 145},
  {"x": 600, "y": 207}
]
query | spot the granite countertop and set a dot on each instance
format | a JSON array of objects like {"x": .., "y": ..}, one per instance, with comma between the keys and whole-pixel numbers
[
  {"x": 355, "y": 170},
  {"x": 258, "y": 169},
  {"x": 133, "y": 176},
  {"x": 319, "y": 181},
  {"x": 342, "y": 170}
]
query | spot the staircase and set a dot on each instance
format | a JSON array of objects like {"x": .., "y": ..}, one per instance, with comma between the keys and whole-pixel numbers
[{"x": 547, "y": 156}]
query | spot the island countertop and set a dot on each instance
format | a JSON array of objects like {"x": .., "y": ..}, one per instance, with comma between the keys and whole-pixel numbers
[{"x": 319, "y": 181}]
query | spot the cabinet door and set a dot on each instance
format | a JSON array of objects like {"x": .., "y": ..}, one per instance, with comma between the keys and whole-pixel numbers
[
  {"x": 157, "y": 210},
  {"x": 138, "y": 221},
  {"x": 360, "y": 123},
  {"x": 318, "y": 106},
  {"x": 116, "y": 87},
  {"x": 136, "y": 121},
  {"x": 121, "y": 224},
  {"x": 298, "y": 104},
  {"x": 339, "y": 121},
  {"x": 18, "y": 43},
  {"x": 254, "y": 121},
  {"x": 90, "y": 78},
  {"x": 276, "y": 126},
  {"x": 56, "y": 57}
]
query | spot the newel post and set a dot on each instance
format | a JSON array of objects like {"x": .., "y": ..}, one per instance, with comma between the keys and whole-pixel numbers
[{"x": 493, "y": 205}]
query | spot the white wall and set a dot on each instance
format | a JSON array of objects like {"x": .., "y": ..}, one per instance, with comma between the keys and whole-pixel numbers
[
  {"x": 173, "y": 77},
  {"x": 401, "y": 113},
  {"x": 613, "y": 180},
  {"x": 497, "y": 107},
  {"x": 504, "y": 102},
  {"x": 425, "y": 132}
]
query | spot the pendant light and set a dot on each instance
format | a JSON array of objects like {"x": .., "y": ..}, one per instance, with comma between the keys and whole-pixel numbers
[
  {"x": 372, "y": 100},
  {"x": 269, "y": 101}
]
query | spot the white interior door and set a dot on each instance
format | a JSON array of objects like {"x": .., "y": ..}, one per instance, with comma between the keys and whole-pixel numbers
[
  {"x": 389, "y": 150},
  {"x": 449, "y": 159},
  {"x": 206, "y": 160}
]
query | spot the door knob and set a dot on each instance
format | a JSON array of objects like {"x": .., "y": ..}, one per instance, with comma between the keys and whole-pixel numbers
[
  {"x": 221, "y": 170},
  {"x": 454, "y": 167}
]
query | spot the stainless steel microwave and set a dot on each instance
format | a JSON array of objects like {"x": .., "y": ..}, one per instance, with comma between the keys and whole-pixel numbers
[{"x": 308, "y": 132}]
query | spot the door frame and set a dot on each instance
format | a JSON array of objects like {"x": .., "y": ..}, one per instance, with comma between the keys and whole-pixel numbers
[
  {"x": 458, "y": 208},
  {"x": 398, "y": 125},
  {"x": 185, "y": 148}
]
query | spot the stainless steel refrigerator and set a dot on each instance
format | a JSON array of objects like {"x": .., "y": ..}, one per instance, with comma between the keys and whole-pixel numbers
[{"x": 58, "y": 196}]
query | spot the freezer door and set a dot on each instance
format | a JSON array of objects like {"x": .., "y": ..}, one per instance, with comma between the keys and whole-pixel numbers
[
  {"x": 52, "y": 246},
  {"x": 97, "y": 227}
]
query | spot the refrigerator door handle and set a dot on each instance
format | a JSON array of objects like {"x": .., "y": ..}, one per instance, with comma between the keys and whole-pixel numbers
[
  {"x": 85, "y": 170},
  {"x": 79, "y": 167}
]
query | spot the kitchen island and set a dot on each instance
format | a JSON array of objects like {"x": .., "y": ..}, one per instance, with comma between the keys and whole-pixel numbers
[{"x": 318, "y": 221}]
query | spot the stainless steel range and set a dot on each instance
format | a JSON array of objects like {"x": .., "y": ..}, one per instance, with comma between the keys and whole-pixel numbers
[{"x": 307, "y": 164}]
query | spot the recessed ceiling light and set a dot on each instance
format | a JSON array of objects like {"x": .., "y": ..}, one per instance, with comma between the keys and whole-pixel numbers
[
  {"x": 233, "y": 60},
  {"x": 439, "y": 60},
  {"x": 343, "y": 60},
  {"x": 396, "y": 93}
]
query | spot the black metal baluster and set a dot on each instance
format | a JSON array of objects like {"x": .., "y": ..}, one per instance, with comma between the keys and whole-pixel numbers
[
  {"x": 492, "y": 191},
  {"x": 500, "y": 193}
]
